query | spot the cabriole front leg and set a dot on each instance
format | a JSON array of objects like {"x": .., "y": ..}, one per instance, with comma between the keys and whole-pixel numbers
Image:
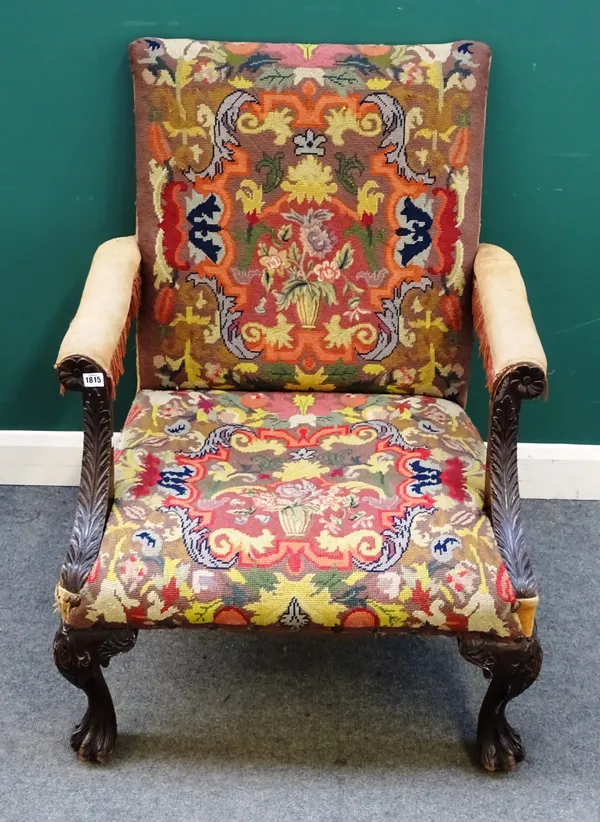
[
  {"x": 511, "y": 667},
  {"x": 80, "y": 657}
]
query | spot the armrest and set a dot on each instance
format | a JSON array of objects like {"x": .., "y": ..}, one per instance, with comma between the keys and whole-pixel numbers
[
  {"x": 516, "y": 367},
  {"x": 503, "y": 321},
  {"x": 98, "y": 332},
  {"x": 95, "y": 342}
]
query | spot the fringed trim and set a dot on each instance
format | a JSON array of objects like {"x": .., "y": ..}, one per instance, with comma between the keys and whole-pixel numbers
[
  {"x": 526, "y": 614},
  {"x": 116, "y": 364},
  {"x": 484, "y": 346},
  {"x": 65, "y": 600}
]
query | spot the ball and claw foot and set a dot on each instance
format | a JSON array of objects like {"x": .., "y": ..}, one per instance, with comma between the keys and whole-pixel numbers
[
  {"x": 79, "y": 656},
  {"x": 93, "y": 739},
  {"x": 511, "y": 667},
  {"x": 499, "y": 746}
]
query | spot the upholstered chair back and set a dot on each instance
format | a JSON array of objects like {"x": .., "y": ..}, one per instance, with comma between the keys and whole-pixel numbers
[{"x": 308, "y": 216}]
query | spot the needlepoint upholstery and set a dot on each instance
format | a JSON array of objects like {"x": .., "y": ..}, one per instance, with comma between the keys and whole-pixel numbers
[
  {"x": 298, "y": 456},
  {"x": 308, "y": 215},
  {"x": 299, "y": 511}
]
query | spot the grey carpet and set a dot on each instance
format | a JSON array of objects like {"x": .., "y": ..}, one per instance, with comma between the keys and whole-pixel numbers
[{"x": 221, "y": 728}]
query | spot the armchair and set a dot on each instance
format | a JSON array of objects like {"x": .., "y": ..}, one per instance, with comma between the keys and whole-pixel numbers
[{"x": 306, "y": 276}]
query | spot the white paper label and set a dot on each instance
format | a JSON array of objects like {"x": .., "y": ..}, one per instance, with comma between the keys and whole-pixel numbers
[{"x": 95, "y": 380}]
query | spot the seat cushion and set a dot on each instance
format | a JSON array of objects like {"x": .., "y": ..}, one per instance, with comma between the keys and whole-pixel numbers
[{"x": 282, "y": 510}]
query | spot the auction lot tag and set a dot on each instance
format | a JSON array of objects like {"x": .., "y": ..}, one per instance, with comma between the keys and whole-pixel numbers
[{"x": 94, "y": 380}]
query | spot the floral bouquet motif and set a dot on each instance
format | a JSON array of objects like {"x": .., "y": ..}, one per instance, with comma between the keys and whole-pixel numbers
[
  {"x": 296, "y": 503},
  {"x": 308, "y": 263}
]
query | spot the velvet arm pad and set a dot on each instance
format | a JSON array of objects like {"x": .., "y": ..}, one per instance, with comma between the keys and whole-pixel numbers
[
  {"x": 110, "y": 299},
  {"x": 503, "y": 321}
]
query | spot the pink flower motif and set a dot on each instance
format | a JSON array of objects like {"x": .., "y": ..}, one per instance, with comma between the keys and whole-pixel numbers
[
  {"x": 214, "y": 371},
  {"x": 326, "y": 271},
  {"x": 297, "y": 494},
  {"x": 132, "y": 571},
  {"x": 404, "y": 376},
  {"x": 375, "y": 412},
  {"x": 204, "y": 404},
  {"x": 323, "y": 56},
  {"x": 462, "y": 580},
  {"x": 435, "y": 413},
  {"x": 389, "y": 584},
  {"x": 412, "y": 74},
  {"x": 207, "y": 73},
  {"x": 297, "y": 491}
]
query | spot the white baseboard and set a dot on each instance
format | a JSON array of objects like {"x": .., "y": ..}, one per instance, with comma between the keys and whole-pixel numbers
[
  {"x": 559, "y": 471},
  {"x": 41, "y": 457},
  {"x": 546, "y": 471}
]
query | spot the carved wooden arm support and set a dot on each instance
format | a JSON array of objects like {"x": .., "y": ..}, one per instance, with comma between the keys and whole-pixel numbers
[
  {"x": 515, "y": 365},
  {"x": 95, "y": 343}
]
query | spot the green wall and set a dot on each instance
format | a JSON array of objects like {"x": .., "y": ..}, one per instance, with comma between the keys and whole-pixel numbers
[{"x": 67, "y": 177}]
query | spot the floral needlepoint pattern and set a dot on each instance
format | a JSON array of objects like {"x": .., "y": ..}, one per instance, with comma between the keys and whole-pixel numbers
[
  {"x": 308, "y": 214},
  {"x": 308, "y": 217},
  {"x": 299, "y": 511}
]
